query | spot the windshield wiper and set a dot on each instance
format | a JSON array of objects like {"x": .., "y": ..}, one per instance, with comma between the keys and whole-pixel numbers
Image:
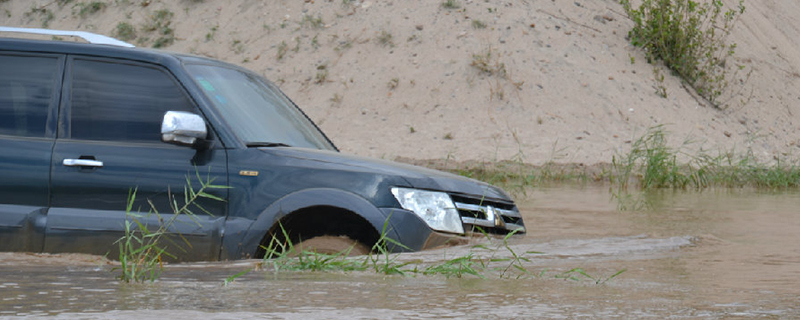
[{"x": 266, "y": 144}]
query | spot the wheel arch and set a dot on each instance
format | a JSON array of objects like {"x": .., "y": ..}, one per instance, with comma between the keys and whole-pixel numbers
[
  {"x": 311, "y": 222},
  {"x": 306, "y": 213}
]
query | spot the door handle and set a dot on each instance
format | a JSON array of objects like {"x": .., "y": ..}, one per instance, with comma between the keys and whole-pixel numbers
[{"x": 82, "y": 163}]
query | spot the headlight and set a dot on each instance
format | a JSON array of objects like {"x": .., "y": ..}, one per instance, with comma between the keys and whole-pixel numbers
[{"x": 435, "y": 208}]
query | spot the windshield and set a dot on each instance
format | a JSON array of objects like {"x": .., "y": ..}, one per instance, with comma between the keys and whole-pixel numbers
[{"x": 256, "y": 110}]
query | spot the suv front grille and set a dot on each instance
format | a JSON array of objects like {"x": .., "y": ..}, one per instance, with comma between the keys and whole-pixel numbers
[{"x": 491, "y": 216}]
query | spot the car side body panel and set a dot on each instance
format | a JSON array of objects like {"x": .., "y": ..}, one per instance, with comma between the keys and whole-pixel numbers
[
  {"x": 24, "y": 193},
  {"x": 28, "y": 79}
]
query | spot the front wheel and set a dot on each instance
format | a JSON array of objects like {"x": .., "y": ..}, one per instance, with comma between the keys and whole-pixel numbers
[{"x": 333, "y": 245}]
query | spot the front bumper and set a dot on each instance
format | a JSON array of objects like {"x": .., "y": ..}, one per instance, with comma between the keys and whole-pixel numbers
[{"x": 479, "y": 216}]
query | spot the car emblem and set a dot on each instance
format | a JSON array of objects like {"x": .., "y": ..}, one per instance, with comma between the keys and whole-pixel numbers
[{"x": 492, "y": 215}]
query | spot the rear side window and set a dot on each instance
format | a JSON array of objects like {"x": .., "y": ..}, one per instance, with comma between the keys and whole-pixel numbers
[
  {"x": 26, "y": 94},
  {"x": 122, "y": 102}
]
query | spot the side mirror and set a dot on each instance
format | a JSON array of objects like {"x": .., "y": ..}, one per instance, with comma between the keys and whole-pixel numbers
[{"x": 183, "y": 128}]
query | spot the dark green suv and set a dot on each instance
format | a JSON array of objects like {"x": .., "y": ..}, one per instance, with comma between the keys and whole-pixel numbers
[{"x": 81, "y": 125}]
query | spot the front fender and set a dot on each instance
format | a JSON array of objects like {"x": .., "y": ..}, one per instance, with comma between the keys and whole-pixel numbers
[{"x": 246, "y": 246}]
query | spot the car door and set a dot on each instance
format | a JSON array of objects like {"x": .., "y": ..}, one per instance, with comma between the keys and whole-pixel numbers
[
  {"x": 109, "y": 145},
  {"x": 29, "y": 93}
]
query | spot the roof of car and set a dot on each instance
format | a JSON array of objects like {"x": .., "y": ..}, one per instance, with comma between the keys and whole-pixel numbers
[
  {"x": 88, "y": 36},
  {"x": 104, "y": 47}
]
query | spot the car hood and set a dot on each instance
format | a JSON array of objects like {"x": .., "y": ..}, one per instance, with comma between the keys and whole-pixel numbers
[{"x": 417, "y": 177}]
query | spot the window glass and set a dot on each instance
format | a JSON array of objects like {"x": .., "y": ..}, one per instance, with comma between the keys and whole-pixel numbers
[
  {"x": 258, "y": 112},
  {"x": 26, "y": 92},
  {"x": 113, "y": 101}
]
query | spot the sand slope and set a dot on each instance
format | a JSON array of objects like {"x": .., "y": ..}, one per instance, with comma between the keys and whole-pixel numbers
[{"x": 396, "y": 78}]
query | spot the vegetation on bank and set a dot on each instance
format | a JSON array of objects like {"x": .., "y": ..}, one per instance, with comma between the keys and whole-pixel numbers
[
  {"x": 689, "y": 37},
  {"x": 651, "y": 163}
]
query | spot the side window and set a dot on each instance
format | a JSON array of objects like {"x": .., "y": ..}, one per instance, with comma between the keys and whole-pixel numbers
[
  {"x": 122, "y": 102},
  {"x": 26, "y": 93}
]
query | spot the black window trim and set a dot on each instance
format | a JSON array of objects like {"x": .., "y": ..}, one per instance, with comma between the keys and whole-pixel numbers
[{"x": 64, "y": 117}]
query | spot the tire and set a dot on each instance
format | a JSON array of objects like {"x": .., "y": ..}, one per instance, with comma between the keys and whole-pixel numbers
[{"x": 332, "y": 245}]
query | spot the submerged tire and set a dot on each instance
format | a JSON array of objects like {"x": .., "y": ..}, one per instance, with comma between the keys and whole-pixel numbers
[{"x": 332, "y": 245}]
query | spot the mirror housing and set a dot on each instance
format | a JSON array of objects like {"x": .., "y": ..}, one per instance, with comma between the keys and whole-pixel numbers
[{"x": 183, "y": 128}]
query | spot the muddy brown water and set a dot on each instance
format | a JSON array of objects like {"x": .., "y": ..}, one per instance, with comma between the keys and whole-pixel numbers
[{"x": 686, "y": 255}]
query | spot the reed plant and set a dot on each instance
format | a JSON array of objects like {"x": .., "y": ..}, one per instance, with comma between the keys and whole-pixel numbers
[
  {"x": 578, "y": 274},
  {"x": 143, "y": 248},
  {"x": 458, "y": 267},
  {"x": 282, "y": 254},
  {"x": 652, "y": 163},
  {"x": 381, "y": 258}
]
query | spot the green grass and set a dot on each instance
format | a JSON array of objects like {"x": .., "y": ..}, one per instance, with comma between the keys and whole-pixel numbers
[
  {"x": 88, "y": 8},
  {"x": 393, "y": 83},
  {"x": 381, "y": 259},
  {"x": 322, "y": 74},
  {"x": 160, "y": 23},
  {"x": 281, "y": 255},
  {"x": 344, "y": 45},
  {"x": 477, "y": 24},
  {"x": 211, "y": 33},
  {"x": 579, "y": 274},
  {"x": 125, "y": 31},
  {"x": 689, "y": 37},
  {"x": 652, "y": 163},
  {"x": 492, "y": 259},
  {"x": 514, "y": 263},
  {"x": 283, "y": 48},
  {"x": 451, "y": 4},
  {"x": 489, "y": 64},
  {"x": 142, "y": 248},
  {"x": 458, "y": 267},
  {"x": 312, "y": 22},
  {"x": 385, "y": 39},
  {"x": 237, "y": 46},
  {"x": 41, "y": 12}
]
